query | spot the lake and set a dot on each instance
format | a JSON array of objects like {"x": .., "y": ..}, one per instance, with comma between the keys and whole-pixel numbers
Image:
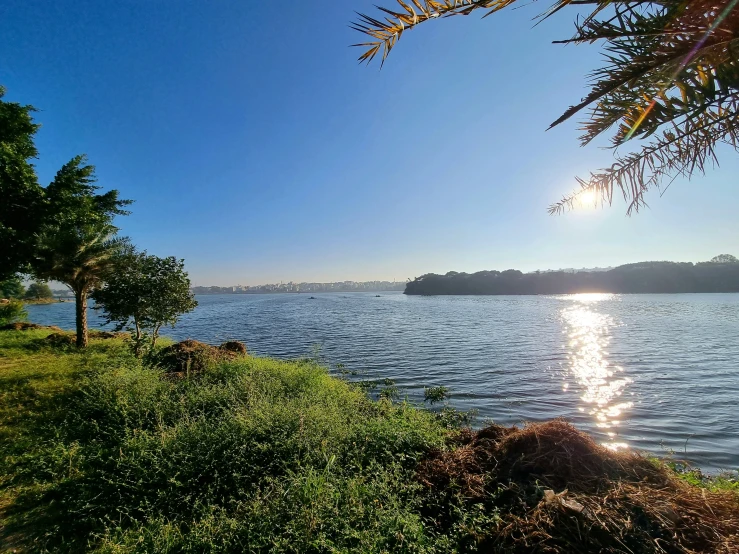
[{"x": 658, "y": 373}]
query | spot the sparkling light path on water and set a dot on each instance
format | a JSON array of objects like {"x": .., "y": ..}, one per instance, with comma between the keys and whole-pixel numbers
[{"x": 601, "y": 384}]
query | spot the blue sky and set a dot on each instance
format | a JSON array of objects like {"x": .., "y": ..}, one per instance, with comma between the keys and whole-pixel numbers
[{"x": 257, "y": 149}]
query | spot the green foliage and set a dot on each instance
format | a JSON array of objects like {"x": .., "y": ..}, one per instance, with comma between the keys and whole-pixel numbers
[
  {"x": 38, "y": 291},
  {"x": 104, "y": 454},
  {"x": 671, "y": 71},
  {"x": 254, "y": 455},
  {"x": 73, "y": 201},
  {"x": 63, "y": 232},
  {"x": 143, "y": 293},
  {"x": 724, "y": 259},
  {"x": 435, "y": 394},
  {"x": 725, "y": 481},
  {"x": 81, "y": 256},
  {"x": 77, "y": 244},
  {"x": 12, "y": 288},
  {"x": 19, "y": 189},
  {"x": 12, "y": 311}
]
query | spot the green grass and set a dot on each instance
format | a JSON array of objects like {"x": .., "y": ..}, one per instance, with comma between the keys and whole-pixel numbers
[
  {"x": 99, "y": 453},
  {"x": 102, "y": 454}
]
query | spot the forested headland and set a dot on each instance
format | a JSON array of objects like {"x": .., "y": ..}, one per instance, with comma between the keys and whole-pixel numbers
[{"x": 719, "y": 275}]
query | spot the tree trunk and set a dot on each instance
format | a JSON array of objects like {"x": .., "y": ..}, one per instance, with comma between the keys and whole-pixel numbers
[
  {"x": 80, "y": 299},
  {"x": 137, "y": 340}
]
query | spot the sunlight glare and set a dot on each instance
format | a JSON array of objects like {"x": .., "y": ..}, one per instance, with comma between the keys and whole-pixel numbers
[
  {"x": 586, "y": 199},
  {"x": 600, "y": 385}
]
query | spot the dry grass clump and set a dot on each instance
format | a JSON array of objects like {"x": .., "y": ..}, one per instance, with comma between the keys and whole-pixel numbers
[
  {"x": 25, "y": 326},
  {"x": 190, "y": 355},
  {"x": 555, "y": 490},
  {"x": 63, "y": 339}
]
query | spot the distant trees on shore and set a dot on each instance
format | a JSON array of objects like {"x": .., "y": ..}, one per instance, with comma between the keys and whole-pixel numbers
[
  {"x": 38, "y": 291},
  {"x": 643, "y": 277}
]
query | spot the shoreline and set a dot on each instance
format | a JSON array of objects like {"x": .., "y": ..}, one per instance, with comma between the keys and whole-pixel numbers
[{"x": 248, "y": 448}]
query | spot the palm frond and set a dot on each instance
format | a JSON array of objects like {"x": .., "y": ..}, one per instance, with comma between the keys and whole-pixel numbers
[
  {"x": 672, "y": 70},
  {"x": 678, "y": 152}
]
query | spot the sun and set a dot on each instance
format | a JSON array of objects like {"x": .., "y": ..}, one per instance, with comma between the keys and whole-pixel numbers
[{"x": 586, "y": 199}]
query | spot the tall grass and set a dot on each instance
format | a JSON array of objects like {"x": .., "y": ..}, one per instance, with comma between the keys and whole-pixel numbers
[
  {"x": 100, "y": 453},
  {"x": 254, "y": 455}
]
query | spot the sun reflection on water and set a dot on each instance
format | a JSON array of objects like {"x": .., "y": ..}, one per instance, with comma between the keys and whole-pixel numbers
[{"x": 600, "y": 384}]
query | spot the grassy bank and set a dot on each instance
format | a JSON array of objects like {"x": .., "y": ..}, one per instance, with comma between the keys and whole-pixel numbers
[
  {"x": 257, "y": 455},
  {"x": 35, "y": 301}
]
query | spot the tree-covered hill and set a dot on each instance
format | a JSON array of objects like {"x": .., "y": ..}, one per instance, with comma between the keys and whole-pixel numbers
[{"x": 642, "y": 277}]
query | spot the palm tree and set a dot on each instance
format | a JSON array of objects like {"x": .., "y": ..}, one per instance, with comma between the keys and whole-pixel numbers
[
  {"x": 671, "y": 74},
  {"x": 80, "y": 257}
]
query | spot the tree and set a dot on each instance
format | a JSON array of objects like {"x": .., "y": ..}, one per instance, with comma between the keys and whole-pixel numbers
[
  {"x": 724, "y": 259},
  {"x": 12, "y": 288},
  {"x": 19, "y": 189},
  {"x": 77, "y": 244},
  {"x": 144, "y": 293},
  {"x": 81, "y": 258},
  {"x": 38, "y": 291},
  {"x": 671, "y": 72}
]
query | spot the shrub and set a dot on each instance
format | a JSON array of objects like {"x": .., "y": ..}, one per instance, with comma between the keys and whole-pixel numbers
[{"x": 12, "y": 311}]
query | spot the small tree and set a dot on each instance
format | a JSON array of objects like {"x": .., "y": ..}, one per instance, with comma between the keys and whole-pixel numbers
[
  {"x": 12, "y": 288},
  {"x": 38, "y": 291},
  {"x": 77, "y": 242},
  {"x": 143, "y": 294},
  {"x": 12, "y": 311}
]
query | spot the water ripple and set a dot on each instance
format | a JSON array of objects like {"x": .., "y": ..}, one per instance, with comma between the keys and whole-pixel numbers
[{"x": 640, "y": 371}]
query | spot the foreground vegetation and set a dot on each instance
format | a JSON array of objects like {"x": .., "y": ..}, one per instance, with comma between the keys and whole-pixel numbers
[{"x": 103, "y": 452}]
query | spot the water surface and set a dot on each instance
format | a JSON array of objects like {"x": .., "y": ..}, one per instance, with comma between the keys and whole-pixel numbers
[{"x": 652, "y": 372}]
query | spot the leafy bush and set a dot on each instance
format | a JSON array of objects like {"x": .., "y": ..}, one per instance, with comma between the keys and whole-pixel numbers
[
  {"x": 276, "y": 455},
  {"x": 12, "y": 311},
  {"x": 435, "y": 394},
  {"x": 12, "y": 288}
]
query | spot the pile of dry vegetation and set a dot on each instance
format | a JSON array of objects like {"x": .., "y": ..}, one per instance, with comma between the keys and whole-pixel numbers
[
  {"x": 555, "y": 490},
  {"x": 195, "y": 356}
]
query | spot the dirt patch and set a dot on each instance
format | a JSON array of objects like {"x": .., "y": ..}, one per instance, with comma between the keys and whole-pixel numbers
[
  {"x": 95, "y": 334},
  {"x": 191, "y": 356},
  {"x": 59, "y": 340},
  {"x": 24, "y": 326},
  {"x": 556, "y": 490}
]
